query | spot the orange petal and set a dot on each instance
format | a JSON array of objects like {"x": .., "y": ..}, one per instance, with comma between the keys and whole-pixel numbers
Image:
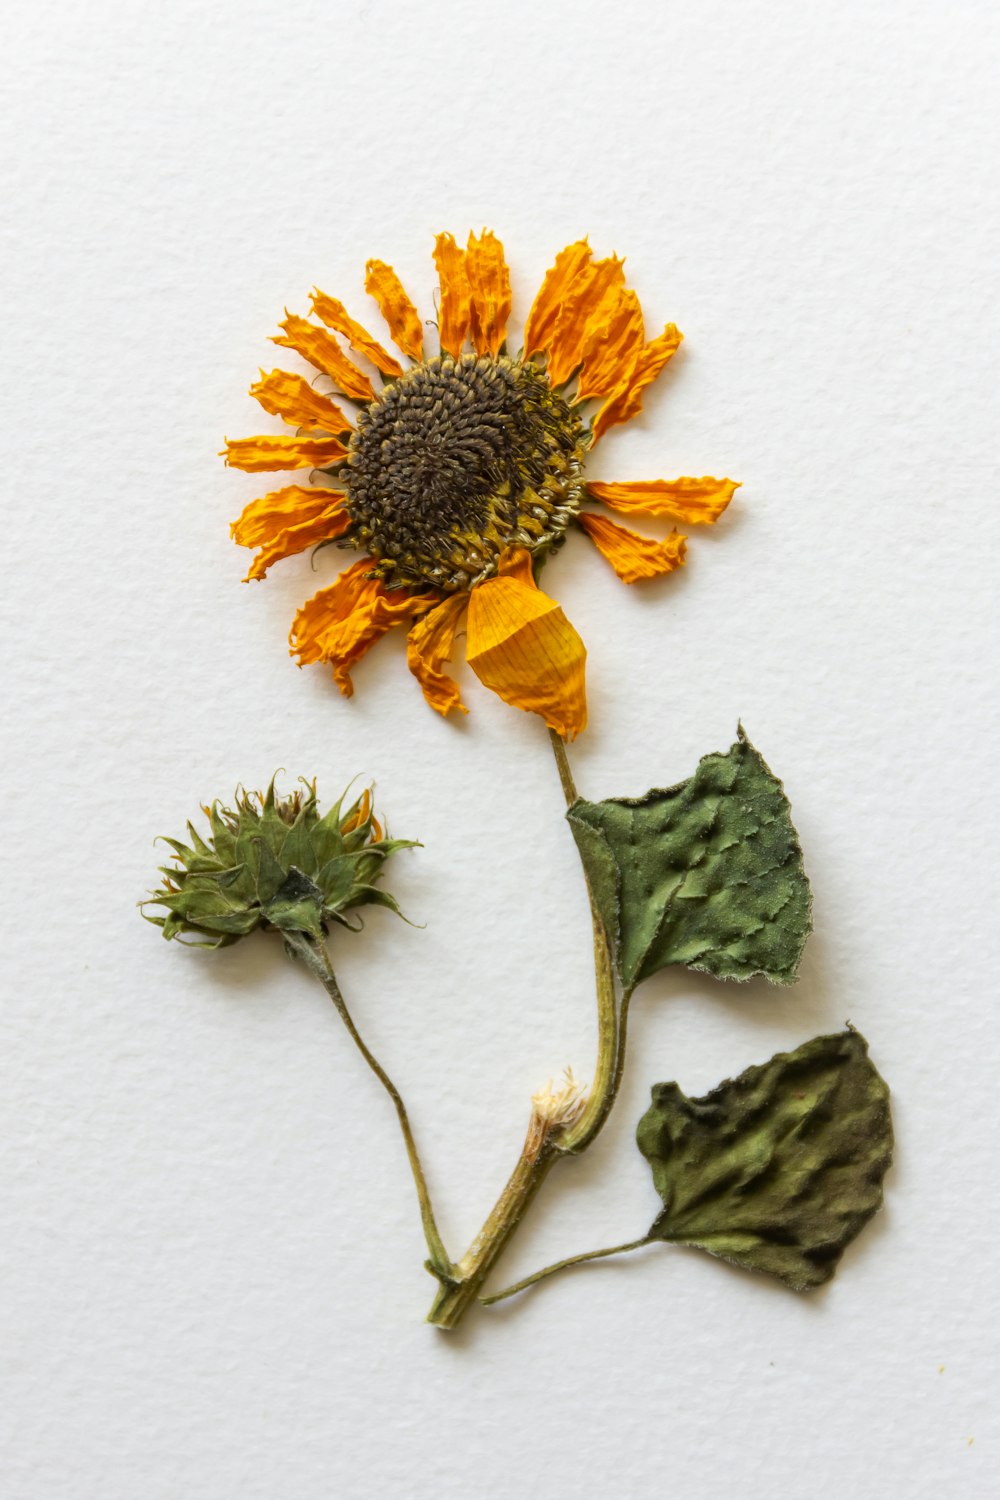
[
  {"x": 489, "y": 284},
  {"x": 611, "y": 350},
  {"x": 323, "y": 351},
  {"x": 334, "y": 314},
  {"x": 589, "y": 304},
  {"x": 340, "y": 623},
  {"x": 382, "y": 283},
  {"x": 521, "y": 645},
  {"x": 626, "y": 400},
  {"x": 558, "y": 283},
  {"x": 632, "y": 556},
  {"x": 455, "y": 309},
  {"x": 294, "y": 400},
  {"x": 692, "y": 501},
  {"x": 429, "y": 645},
  {"x": 259, "y": 454},
  {"x": 288, "y": 521}
]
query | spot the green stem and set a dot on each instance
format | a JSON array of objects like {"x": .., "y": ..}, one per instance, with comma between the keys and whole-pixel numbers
[
  {"x": 560, "y": 1265},
  {"x": 610, "y": 1030},
  {"x": 313, "y": 952},
  {"x": 548, "y": 1139},
  {"x": 458, "y": 1292}
]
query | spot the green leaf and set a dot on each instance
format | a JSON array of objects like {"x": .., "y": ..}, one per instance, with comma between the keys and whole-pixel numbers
[
  {"x": 707, "y": 873},
  {"x": 776, "y": 1170}
]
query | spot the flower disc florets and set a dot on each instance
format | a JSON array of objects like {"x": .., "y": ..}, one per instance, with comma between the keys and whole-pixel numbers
[
  {"x": 458, "y": 460},
  {"x": 274, "y": 862}
]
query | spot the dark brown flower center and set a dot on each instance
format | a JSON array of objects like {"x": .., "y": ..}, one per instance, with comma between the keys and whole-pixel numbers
[{"x": 458, "y": 460}]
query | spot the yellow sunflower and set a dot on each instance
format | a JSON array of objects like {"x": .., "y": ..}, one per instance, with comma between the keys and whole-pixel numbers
[{"x": 460, "y": 471}]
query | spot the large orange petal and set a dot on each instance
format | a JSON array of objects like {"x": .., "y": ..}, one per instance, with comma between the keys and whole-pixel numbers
[
  {"x": 258, "y": 455},
  {"x": 340, "y": 623},
  {"x": 323, "y": 351},
  {"x": 559, "y": 281},
  {"x": 335, "y": 315},
  {"x": 588, "y": 305},
  {"x": 632, "y": 556},
  {"x": 455, "y": 309},
  {"x": 521, "y": 645},
  {"x": 626, "y": 400},
  {"x": 382, "y": 283},
  {"x": 294, "y": 400},
  {"x": 429, "y": 645},
  {"x": 693, "y": 501},
  {"x": 489, "y": 285},
  {"x": 610, "y": 351},
  {"x": 288, "y": 521}
]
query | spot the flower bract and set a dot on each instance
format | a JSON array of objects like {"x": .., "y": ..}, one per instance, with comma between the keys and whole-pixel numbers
[{"x": 274, "y": 862}]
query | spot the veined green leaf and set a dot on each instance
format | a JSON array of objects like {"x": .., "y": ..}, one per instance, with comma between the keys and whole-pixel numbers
[
  {"x": 707, "y": 873},
  {"x": 776, "y": 1170}
]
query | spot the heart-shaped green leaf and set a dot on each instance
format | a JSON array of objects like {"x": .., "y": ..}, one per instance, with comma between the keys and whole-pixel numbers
[
  {"x": 707, "y": 873},
  {"x": 776, "y": 1170}
]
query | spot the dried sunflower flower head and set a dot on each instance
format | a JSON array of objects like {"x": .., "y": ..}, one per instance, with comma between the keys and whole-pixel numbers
[
  {"x": 462, "y": 471},
  {"x": 274, "y": 862}
]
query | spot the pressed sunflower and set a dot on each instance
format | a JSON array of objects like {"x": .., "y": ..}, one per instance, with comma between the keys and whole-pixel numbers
[{"x": 460, "y": 470}]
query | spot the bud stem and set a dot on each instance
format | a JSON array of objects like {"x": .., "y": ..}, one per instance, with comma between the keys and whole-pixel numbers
[{"x": 314, "y": 954}]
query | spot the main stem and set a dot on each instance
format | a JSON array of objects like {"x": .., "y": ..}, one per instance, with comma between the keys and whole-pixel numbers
[
  {"x": 547, "y": 1139},
  {"x": 460, "y": 1290},
  {"x": 313, "y": 952}
]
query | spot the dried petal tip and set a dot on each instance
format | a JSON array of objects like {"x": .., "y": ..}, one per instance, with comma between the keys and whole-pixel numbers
[
  {"x": 559, "y": 1108},
  {"x": 274, "y": 862}
]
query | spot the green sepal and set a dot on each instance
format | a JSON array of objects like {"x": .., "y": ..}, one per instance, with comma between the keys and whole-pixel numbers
[
  {"x": 297, "y": 906},
  {"x": 271, "y": 872},
  {"x": 776, "y": 1170},
  {"x": 707, "y": 873}
]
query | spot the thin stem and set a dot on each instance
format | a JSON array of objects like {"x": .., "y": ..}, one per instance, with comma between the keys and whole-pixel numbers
[
  {"x": 313, "y": 952},
  {"x": 560, "y": 1265},
  {"x": 562, "y": 762}
]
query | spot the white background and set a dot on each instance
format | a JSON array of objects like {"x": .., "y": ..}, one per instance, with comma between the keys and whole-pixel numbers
[{"x": 211, "y": 1261}]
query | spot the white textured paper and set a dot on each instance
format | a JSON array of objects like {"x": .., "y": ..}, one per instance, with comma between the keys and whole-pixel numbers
[{"x": 211, "y": 1259}]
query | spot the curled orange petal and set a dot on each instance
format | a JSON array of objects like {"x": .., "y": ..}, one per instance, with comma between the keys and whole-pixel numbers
[
  {"x": 322, "y": 350},
  {"x": 587, "y": 305},
  {"x": 556, "y": 286},
  {"x": 335, "y": 315},
  {"x": 258, "y": 455},
  {"x": 340, "y": 623},
  {"x": 632, "y": 556},
  {"x": 455, "y": 308},
  {"x": 382, "y": 283},
  {"x": 361, "y": 813},
  {"x": 294, "y": 400},
  {"x": 693, "y": 501},
  {"x": 288, "y": 521},
  {"x": 626, "y": 400},
  {"x": 521, "y": 645},
  {"x": 611, "y": 349},
  {"x": 429, "y": 646},
  {"x": 489, "y": 286}
]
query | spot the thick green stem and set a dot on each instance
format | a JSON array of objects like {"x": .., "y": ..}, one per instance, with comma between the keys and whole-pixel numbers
[
  {"x": 548, "y": 1137},
  {"x": 313, "y": 952},
  {"x": 459, "y": 1291},
  {"x": 560, "y": 1265},
  {"x": 610, "y": 1033}
]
